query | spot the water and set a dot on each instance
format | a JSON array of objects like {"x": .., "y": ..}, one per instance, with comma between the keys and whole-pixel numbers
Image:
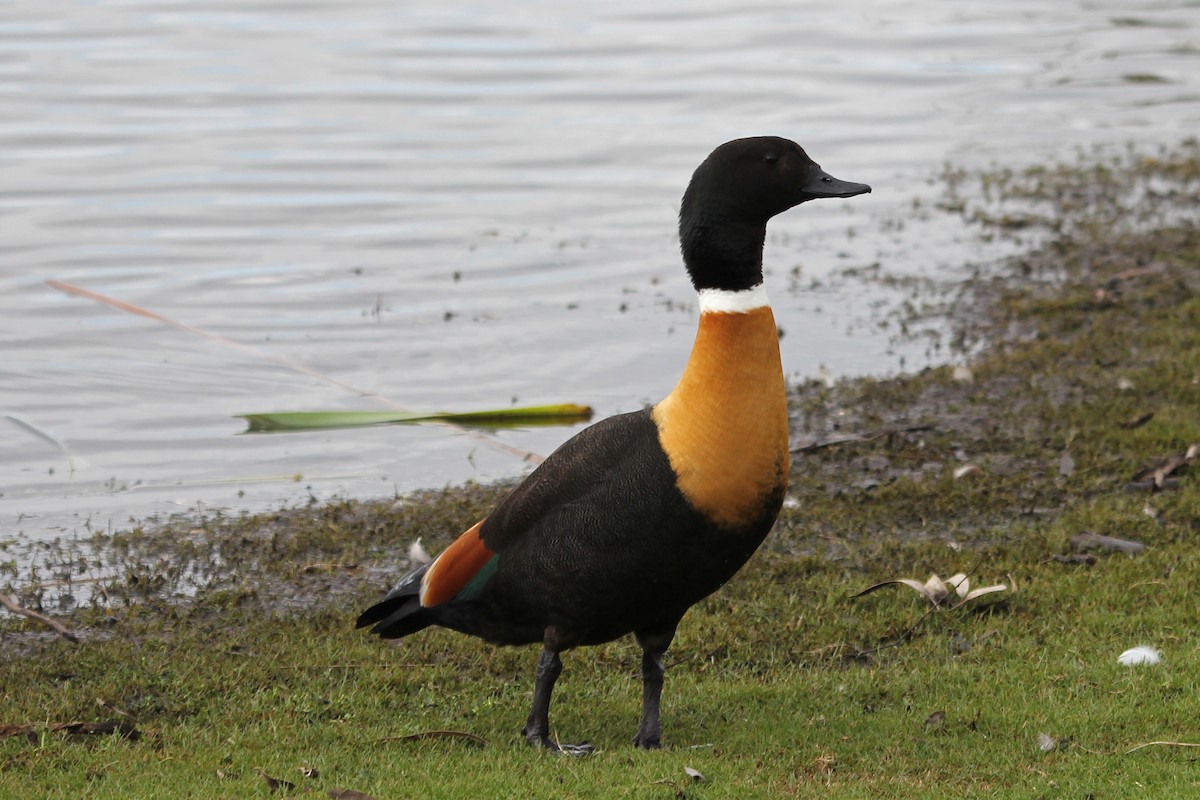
[{"x": 455, "y": 205}]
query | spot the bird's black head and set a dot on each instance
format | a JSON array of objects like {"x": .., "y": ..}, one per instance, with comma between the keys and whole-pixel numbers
[{"x": 741, "y": 185}]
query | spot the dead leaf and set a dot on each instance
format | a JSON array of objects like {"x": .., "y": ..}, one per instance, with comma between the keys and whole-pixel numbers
[
  {"x": 348, "y": 794},
  {"x": 1168, "y": 467},
  {"x": 932, "y": 590},
  {"x": 695, "y": 775},
  {"x": 967, "y": 470},
  {"x": 1137, "y": 421},
  {"x": 412, "y": 737},
  {"x": 1159, "y": 473},
  {"x": 1159, "y": 476},
  {"x": 935, "y": 590},
  {"x": 27, "y": 731},
  {"x": 276, "y": 784},
  {"x": 936, "y": 720}
]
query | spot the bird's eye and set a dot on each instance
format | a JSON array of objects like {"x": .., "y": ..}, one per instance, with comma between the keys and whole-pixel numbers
[{"x": 771, "y": 158}]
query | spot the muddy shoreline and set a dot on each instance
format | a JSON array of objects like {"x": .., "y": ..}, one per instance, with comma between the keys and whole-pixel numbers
[{"x": 969, "y": 453}]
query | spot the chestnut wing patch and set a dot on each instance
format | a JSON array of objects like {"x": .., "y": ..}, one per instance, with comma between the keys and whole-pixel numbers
[{"x": 461, "y": 571}]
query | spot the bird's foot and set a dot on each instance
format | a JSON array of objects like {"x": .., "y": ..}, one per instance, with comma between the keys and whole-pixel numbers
[
  {"x": 647, "y": 741},
  {"x": 546, "y": 743}
]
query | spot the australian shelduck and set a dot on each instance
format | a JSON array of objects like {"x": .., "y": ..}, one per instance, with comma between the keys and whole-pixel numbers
[{"x": 635, "y": 519}]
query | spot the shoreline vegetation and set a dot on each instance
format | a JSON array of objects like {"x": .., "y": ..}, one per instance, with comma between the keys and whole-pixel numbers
[{"x": 1056, "y": 457}]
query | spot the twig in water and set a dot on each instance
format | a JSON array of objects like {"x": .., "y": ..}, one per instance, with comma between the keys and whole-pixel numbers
[
  {"x": 130, "y": 308},
  {"x": 11, "y": 604},
  {"x": 45, "y": 437}
]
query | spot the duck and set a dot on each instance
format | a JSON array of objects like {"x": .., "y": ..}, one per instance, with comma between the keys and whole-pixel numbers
[{"x": 635, "y": 519}]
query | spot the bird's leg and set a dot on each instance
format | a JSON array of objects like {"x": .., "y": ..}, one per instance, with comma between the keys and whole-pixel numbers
[
  {"x": 649, "y": 735},
  {"x": 654, "y": 645},
  {"x": 537, "y": 727}
]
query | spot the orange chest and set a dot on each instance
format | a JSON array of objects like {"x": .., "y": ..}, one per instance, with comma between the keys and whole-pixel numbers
[{"x": 724, "y": 427}]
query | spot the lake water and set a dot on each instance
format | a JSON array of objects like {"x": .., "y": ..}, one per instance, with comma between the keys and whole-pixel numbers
[{"x": 455, "y": 205}]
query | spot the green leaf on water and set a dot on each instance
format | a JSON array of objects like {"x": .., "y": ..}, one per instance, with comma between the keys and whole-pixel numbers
[{"x": 561, "y": 414}]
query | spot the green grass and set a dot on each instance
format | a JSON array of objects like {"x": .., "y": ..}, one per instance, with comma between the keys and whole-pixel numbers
[
  {"x": 766, "y": 679},
  {"x": 779, "y": 685}
]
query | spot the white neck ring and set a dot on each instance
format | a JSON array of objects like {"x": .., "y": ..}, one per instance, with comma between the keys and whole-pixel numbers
[{"x": 725, "y": 301}]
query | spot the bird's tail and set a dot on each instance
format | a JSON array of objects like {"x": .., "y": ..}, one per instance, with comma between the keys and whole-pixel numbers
[{"x": 400, "y": 613}]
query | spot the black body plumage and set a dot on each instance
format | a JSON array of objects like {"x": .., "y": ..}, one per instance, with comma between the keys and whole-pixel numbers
[{"x": 596, "y": 543}]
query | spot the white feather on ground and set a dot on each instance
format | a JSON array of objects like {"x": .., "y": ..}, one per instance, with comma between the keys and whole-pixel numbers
[
  {"x": 417, "y": 554},
  {"x": 1140, "y": 655}
]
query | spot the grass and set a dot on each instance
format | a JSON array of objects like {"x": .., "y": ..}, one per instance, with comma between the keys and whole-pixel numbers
[{"x": 779, "y": 685}]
